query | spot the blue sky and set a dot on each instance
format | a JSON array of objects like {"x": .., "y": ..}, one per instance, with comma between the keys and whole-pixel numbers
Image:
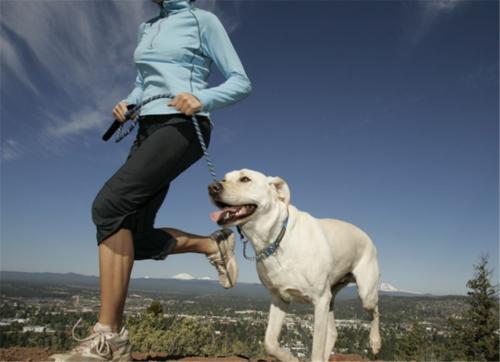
[{"x": 381, "y": 113}]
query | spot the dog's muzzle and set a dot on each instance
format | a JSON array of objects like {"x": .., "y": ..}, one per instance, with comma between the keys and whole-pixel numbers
[
  {"x": 215, "y": 188},
  {"x": 227, "y": 213}
]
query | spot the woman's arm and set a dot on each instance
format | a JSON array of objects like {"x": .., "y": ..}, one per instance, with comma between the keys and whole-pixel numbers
[
  {"x": 135, "y": 97},
  {"x": 216, "y": 44}
]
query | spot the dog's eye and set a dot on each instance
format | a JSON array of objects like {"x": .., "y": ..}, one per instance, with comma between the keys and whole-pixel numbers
[{"x": 245, "y": 179}]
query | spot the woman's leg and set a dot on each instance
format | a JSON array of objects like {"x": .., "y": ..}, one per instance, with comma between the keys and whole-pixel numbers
[
  {"x": 166, "y": 153},
  {"x": 116, "y": 258},
  {"x": 218, "y": 247},
  {"x": 191, "y": 243},
  {"x": 157, "y": 157}
]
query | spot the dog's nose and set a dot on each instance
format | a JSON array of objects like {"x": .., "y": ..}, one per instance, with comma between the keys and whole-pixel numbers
[{"x": 215, "y": 188}]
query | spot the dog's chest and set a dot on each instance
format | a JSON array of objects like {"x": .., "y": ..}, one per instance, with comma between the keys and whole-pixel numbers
[{"x": 283, "y": 281}]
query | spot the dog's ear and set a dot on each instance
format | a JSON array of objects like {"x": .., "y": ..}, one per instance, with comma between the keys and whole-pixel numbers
[{"x": 281, "y": 188}]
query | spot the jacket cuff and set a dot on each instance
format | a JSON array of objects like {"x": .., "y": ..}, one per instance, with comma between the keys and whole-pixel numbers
[{"x": 204, "y": 99}]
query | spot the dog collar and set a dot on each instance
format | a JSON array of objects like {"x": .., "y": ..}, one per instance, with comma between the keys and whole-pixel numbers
[{"x": 269, "y": 250}]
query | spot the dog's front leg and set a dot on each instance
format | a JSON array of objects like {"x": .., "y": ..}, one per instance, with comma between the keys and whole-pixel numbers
[
  {"x": 271, "y": 343},
  {"x": 321, "y": 308}
]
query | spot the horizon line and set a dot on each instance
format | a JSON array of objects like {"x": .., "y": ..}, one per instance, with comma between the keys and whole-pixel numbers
[{"x": 416, "y": 294}]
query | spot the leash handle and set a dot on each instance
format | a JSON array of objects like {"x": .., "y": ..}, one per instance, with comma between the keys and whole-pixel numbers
[
  {"x": 115, "y": 125},
  {"x": 131, "y": 111}
]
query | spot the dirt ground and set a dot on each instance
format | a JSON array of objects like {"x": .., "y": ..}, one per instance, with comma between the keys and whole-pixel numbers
[{"x": 42, "y": 354}]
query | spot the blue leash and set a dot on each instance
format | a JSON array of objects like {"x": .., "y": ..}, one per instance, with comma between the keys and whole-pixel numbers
[{"x": 131, "y": 112}]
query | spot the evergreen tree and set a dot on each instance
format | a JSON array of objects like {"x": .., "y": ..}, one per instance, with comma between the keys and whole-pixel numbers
[
  {"x": 155, "y": 308},
  {"x": 413, "y": 345},
  {"x": 477, "y": 329}
]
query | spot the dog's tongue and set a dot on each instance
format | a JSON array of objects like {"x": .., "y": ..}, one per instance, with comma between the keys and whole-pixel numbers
[{"x": 217, "y": 215}]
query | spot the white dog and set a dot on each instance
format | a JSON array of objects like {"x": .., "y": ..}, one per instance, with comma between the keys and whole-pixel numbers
[{"x": 299, "y": 258}]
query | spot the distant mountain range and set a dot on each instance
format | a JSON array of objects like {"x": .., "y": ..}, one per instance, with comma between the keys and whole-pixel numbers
[{"x": 179, "y": 284}]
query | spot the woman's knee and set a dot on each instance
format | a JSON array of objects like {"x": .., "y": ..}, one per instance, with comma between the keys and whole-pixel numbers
[{"x": 105, "y": 207}]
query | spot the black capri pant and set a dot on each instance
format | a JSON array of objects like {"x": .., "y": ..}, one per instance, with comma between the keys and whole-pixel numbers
[{"x": 165, "y": 146}]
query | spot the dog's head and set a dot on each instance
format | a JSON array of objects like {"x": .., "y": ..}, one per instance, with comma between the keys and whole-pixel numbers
[{"x": 245, "y": 194}]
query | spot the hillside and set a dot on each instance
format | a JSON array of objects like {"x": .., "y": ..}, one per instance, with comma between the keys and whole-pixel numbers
[{"x": 174, "y": 286}]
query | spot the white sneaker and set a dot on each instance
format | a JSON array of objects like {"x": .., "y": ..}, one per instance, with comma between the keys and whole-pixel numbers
[
  {"x": 101, "y": 345},
  {"x": 224, "y": 260}
]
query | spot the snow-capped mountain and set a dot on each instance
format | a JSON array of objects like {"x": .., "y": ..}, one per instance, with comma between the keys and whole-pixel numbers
[
  {"x": 389, "y": 288},
  {"x": 183, "y": 276},
  {"x": 186, "y": 276},
  {"x": 386, "y": 287}
]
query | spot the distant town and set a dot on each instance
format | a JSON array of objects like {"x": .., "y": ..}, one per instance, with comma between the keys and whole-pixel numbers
[{"x": 41, "y": 313}]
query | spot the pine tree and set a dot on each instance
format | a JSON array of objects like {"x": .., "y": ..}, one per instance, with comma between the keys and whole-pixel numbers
[
  {"x": 413, "y": 345},
  {"x": 478, "y": 328},
  {"x": 155, "y": 308}
]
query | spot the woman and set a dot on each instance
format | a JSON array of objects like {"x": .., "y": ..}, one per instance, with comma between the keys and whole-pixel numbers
[{"x": 173, "y": 56}]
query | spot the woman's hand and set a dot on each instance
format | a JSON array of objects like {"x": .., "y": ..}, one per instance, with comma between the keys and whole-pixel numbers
[
  {"x": 186, "y": 103},
  {"x": 119, "y": 111}
]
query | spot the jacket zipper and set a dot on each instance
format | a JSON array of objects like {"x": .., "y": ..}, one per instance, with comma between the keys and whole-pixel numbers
[{"x": 159, "y": 25}]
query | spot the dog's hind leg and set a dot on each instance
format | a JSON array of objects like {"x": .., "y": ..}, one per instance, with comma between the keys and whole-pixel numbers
[
  {"x": 375, "y": 341},
  {"x": 276, "y": 316},
  {"x": 367, "y": 279}
]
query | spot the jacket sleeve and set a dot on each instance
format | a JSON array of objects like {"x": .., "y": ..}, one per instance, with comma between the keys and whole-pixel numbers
[
  {"x": 135, "y": 97},
  {"x": 217, "y": 46}
]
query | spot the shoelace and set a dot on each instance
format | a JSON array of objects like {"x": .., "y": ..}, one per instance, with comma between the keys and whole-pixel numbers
[
  {"x": 102, "y": 345},
  {"x": 219, "y": 261}
]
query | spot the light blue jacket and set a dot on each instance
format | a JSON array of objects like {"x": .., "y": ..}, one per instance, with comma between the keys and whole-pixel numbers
[{"x": 174, "y": 53}]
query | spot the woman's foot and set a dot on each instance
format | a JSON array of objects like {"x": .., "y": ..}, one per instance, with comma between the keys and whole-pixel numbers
[
  {"x": 223, "y": 259},
  {"x": 101, "y": 345}
]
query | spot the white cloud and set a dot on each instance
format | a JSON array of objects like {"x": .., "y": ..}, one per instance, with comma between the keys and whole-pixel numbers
[
  {"x": 83, "y": 52},
  {"x": 431, "y": 11},
  {"x": 229, "y": 12},
  {"x": 82, "y": 120},
  {"x": 442, "y": 5},
  {"x": 11, "y": 150},
  {"x": 10, "y": 59}
]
